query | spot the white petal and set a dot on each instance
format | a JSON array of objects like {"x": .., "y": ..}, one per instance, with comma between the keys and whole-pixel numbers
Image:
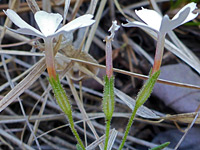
[
  {"x": 168, "y": 25},
  {"x": 82, "y": 21},
  {"x": 47, "y": 22},
  {"x": 114, "y": 26},
  {"x": 138, "y": 24},
  {"x": 28, "y": 30},
  {"x": 150, "y": 17},
  {"x": 112, "y": 29},
  {"x": 190, "y": 15}
]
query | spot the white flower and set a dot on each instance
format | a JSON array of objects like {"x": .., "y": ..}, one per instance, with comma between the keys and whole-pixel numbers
[
  {"x": 112, "y": 29},
  {"x": 48, "y": 24},
  {"x": 157, "y": 23}
]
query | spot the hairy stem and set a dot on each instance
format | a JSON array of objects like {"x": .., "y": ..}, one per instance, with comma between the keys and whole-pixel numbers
[
  {"x": 130, "y": 122},
  {"x": 142, "y": 97},
  {"x": 107, "y": 133},
  {"x": 65, "y": 105}
]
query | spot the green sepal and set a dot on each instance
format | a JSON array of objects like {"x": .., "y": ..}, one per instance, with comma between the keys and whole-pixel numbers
[
  {"x": 160, "y": 147},
  {"x": 108, "y": 97},
  {"x": 146, "y": 90},
  {"x": 60, "y": 95},
  {"x": 65, "y": 105}
]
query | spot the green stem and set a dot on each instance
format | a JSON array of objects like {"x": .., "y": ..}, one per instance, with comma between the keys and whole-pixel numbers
[
  {"x": 107, "y": 133},
  {"x": 75, "y": 132},
  {"x": 130, "y": 122},
  {"x": 142, "y": 97},
  {"x": 65, "y": 105}
]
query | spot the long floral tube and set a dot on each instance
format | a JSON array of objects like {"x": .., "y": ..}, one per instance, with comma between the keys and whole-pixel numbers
[
  {"x": 108, "y": 95},
  {"x": 159, "y": 53}
]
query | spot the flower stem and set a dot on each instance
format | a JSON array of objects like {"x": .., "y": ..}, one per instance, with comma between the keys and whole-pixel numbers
[
  {"x": 142, "y": 97},
  {"x": 159, "y": 53},
  {"x": 49, "y": 57},
  {"x": 107, "y": 133},
  {"x": 58, "y": 90},
  {"x": 130, "y": 122},
  {"x": 65, "y": 105}
]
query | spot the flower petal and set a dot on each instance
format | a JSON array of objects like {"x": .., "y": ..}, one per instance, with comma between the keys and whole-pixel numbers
[
  {"x": 165, "y": 25},
  {"x": 168, "y": 25},
  {"x": 82, "y": 21},
  {"x": 28, "y": 30},
  {"x": 138, "y": 24},
  {"x": 112, "y": 29},
  {"x": 190, "y": 15},
  {"x": 47, "y": 22},
  {"x": 150, "y": 17}
]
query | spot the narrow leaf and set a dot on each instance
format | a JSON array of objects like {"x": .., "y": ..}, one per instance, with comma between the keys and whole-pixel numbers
[
  {"x": 60, "y": 95},
  {"x": 146, "y": 90},
  {"x": 78, "y": 147},
  {"x": 160, "y": 147},
  {"x": 108, "y": 97}
]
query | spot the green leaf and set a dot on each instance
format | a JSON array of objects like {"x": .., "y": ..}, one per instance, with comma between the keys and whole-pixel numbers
[
  {"x": 146, "y": 90},
  {"x": 192, "y": 24},
  {"x": 60, "y": 95},
  {"x": 78, "y": 147},
  {"x": 108, "y": 97},
  {"x": 160, "y": 147}
]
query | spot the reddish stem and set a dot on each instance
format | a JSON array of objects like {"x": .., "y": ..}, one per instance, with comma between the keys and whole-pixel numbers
[
  {"x": 156, "y": 66},
  {"x": 109, "y": 65},
  {"x": 52, "y": 72},
  {"x": 49, "y": 56},
  {"x": 159, "y": 53}
]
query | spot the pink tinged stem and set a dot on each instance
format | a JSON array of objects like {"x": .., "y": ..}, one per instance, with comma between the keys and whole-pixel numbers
[
  {"x": 109, "y": 65},
  {"x": 159, "y": 53},
  {"x": 49, "y": 56}
]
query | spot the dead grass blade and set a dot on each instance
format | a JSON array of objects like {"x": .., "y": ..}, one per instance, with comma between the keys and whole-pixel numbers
[
  {"x": 113, "y": 134},
  {"x": 33, "y": 6},
  {"x": 81, "y": 108},
  {"x": 130, "y": 102},
  {"x": 37, "y": 70},
  {"x": 139, "y": 76},
  {"x": 183, "y": 118},
  {"x": 15, "y": 140},
  {"x": 112, "y": 138},
  {"x": 186, "y": 132},
  {"x": 94, "y": 27}
]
